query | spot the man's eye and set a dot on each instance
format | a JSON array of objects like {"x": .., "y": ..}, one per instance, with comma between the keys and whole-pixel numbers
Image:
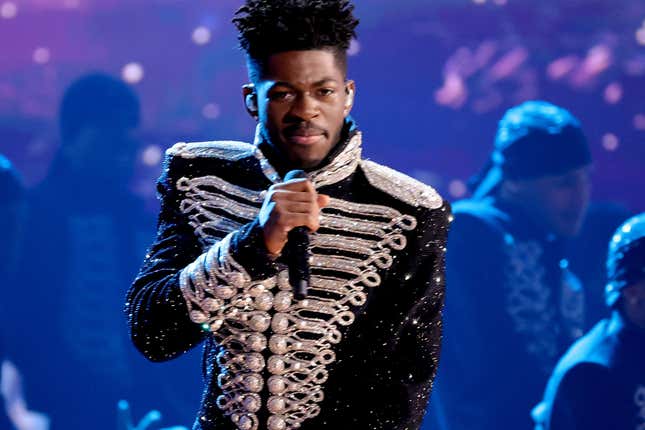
[
  {"x": 280, "y": 95},
  {"x": 325, "y": 91}
]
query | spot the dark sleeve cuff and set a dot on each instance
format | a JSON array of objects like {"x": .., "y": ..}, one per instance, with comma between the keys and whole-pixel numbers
[{"x": 248, "y": 249}]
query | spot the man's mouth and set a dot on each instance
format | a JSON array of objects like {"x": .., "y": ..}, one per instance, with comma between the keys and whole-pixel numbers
[
  {"x": 305, "y": 139},
  {"x": 305, "y": 136}
]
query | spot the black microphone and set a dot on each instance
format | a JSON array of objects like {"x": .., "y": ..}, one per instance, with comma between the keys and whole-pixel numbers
[{"x": 298, "y": 251}]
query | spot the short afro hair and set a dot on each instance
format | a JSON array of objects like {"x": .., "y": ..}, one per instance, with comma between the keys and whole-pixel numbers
[{"x": 268, "y": 27}]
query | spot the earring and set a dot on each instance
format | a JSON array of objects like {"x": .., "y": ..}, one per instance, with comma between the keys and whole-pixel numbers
[
  {"x": 251, "y": 103},
  {"x": 350, "y": 98}
]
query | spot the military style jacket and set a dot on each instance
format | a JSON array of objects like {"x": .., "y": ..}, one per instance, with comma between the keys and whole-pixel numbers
[{"x": 360, "y": 351}]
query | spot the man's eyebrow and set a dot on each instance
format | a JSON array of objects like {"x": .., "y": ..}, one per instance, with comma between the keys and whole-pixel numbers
[{"x": 315, "y": 84}]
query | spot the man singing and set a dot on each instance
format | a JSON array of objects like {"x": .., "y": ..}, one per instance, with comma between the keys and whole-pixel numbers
[{"x": 347, "y": 337}]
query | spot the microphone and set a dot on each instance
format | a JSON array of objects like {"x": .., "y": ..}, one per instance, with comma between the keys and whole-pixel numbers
[{"x": 298, "y": 251}]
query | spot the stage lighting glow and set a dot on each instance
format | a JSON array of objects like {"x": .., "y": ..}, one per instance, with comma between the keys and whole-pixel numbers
[
  {"x": 72, "y": 4},
  {"x": 598, "y": 59},
  {"x": 639, "y": 121},
  {"x": 509, "y": 63},
  {"x": 457, "y": 188},
  {"x": 479, "y": 1},
  {"x": 640, "y": 36},
  {"x": 132, "y": 73},
  {"x": 201, "y": 35},
  {"x": 610, "y": 142},
  {"x": 211, "y": 111},
  {"x": 151, "y": 156},
  {"x": 561, "y": 67},
  {"x": 354, "y": 48},
  {"x": 613, "y": 93},
  {"x": 41, "y": 55},
  {"x": 8, "y": 10},
  {"x": 453, "y": 93}
]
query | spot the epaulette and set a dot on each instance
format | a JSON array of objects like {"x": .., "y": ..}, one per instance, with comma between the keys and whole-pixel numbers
[
  {"x": 401, "y": 186},
  {"x": 222, "y": 149}
]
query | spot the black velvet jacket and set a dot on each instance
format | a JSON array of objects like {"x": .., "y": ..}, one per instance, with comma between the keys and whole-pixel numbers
[{"x": 359, "y": 352}]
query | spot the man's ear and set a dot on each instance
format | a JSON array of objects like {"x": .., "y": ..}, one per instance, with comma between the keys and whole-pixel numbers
[
  {"x": 250, "y": 100},
  {"x": 350, "y": 92}
]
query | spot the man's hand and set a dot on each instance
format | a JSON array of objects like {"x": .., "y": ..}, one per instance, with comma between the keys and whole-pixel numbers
[
  {"x": 14, "y": 401},
  {"x": 289, "y": 205},
  {"x": 124, "y": 419}
]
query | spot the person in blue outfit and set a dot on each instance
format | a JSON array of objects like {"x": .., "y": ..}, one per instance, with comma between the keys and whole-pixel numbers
[
  {"x": 599, "y": 384},
  {"x": 12, "y": 204},
  {"x": 513, "y": 306},
  {"x": 84, "y": 233}
]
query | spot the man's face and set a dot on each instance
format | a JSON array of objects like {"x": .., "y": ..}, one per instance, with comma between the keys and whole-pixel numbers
[
  {"x": 302, "y": 101},
  {"x": 634, "y": 297},
  {"x": 559, "y": 203}
]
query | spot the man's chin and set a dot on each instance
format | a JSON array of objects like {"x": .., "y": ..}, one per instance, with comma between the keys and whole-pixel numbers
[{"x": 305, "y": 157}]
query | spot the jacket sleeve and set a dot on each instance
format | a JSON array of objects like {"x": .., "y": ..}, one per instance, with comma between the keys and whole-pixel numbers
[
  {"x": 417, "y": 353},
  {"x": 473, "y": 353},
  {"x": 181, "y": 292},
  {"x": 587, "y": 398}
]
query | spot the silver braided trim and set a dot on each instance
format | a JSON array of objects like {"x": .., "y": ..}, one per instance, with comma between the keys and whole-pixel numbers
[
  {"x": 400, "y": 186},
  {"x": 220, "y": 298},
  {"x": 342, "y": 166},
  {"x": 207, "y": 200},
  {"x": 225, "y": 150},
  {"x": 305, "y": 331},
  {"x": 355, "y": 242}
]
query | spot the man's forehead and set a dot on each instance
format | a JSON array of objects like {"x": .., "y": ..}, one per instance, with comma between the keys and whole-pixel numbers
[{"x": 303, "y": 67}]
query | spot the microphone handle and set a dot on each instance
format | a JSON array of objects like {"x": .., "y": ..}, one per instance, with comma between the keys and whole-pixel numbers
[
  {"x": 299, "y": 272},
  {"x": 298, "y": 251}
]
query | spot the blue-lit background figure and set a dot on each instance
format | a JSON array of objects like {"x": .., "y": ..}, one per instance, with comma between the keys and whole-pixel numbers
[{"x": 435, "y": 79}]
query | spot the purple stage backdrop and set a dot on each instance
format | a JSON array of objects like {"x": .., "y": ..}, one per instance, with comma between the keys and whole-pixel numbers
[{"x": 433, "y": 78}]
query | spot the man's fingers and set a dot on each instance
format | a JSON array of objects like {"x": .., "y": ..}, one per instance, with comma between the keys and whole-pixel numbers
[
  {"x": 287, "y": 206},
  {"x": 323, "y": 200},
  {"x": 298, "y": 208},
  {"x": 300, "y": 184},
  {"x": 292, "y": 196},
  {"x": 311, "y": 221}
]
